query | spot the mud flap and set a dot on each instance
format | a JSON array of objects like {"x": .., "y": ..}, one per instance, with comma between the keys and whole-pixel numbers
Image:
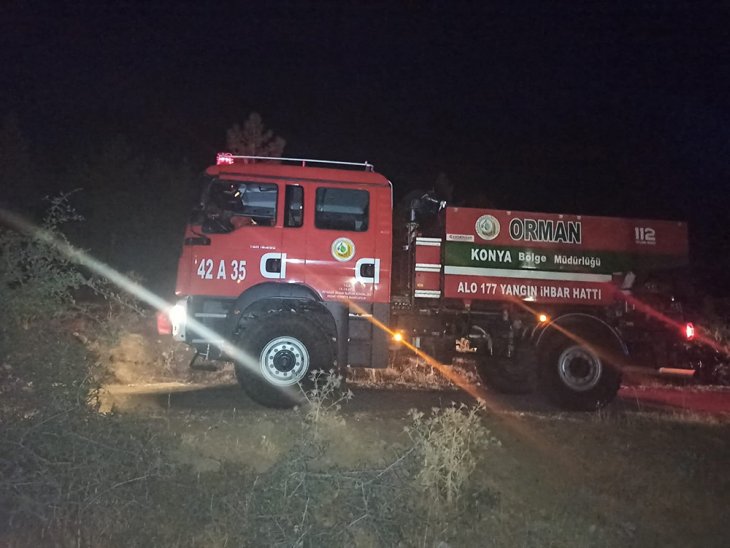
[{"x": 361, "y": 339}]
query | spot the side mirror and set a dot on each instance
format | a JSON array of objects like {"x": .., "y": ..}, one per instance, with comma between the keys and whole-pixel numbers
[
  {"x": 216, "y": 225},
  {"x": 197, "y": 215}
]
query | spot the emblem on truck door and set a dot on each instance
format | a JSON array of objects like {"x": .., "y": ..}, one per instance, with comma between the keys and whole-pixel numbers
[
  {"x": 343, "y": 249},
  {"x": 487, "y": 226}
]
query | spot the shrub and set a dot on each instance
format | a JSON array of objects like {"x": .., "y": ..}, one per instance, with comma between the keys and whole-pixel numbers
[
  {"x": 68, "y": 475},
  {"x": 448, "y": 443},
  {"x": 324, "y": 400},
  {"x": 36, "y": 280}
]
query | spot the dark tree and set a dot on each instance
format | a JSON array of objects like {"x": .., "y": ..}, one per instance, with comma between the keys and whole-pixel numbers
[{"x": 253, "y": 139}]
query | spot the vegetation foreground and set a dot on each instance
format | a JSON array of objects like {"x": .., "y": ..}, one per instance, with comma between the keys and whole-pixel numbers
[{"x": 203, "y": 466}]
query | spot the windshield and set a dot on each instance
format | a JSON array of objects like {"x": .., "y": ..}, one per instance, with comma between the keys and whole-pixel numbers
[{"x": 246, "y": 199}]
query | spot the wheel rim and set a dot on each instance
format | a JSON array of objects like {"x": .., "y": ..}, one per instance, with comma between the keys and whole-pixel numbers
[
  {"x": 579, "y": 369},
  {"x": 284, "y": 361}
]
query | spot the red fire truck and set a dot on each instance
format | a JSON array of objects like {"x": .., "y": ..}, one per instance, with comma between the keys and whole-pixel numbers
[{"x": 287, "y": 266}]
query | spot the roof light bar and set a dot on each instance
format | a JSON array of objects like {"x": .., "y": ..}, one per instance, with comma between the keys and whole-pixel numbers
[{"x": 226, "y": 158}]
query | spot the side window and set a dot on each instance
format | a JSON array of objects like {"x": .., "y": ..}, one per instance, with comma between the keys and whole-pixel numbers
[
  {"x": 342, "y": 209},
  {"x": 294, "y": 206}
]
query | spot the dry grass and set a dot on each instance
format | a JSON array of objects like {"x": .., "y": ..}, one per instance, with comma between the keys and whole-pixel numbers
[{"x": 411, "y": 373}]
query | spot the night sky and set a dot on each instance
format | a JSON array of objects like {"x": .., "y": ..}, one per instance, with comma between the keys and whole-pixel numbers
[{"x": 583, "y": 107}]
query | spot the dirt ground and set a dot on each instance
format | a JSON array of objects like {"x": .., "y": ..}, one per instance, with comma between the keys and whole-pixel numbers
[{"x": 650, "y": 470}]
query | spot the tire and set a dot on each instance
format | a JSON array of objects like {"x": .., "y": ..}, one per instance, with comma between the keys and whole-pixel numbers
[
  {"x": 579, "y": 378},
  {"x": 440, "y": 349},
  {"x": 284, "y": 348},
  {"x": 509, "y": 376}
]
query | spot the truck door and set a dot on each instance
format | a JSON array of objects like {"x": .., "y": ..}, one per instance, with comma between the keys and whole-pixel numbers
[
  {"x": 243, "y": 227},
  {"x": 343, "y": 265},
  {"x": 341, "y": 260}
]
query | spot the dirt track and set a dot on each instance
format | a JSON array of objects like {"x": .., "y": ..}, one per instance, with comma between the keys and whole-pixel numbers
[
  {"x": 657, "y": 397},
  {"x": 700, "y": 400}
]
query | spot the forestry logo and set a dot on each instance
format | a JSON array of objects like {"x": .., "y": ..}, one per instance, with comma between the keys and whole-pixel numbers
[
  {"x": 343, "y": 249},
  {"x": 487, "y": 226}
]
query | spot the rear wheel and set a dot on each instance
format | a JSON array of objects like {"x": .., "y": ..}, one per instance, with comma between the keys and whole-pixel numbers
[
  {"x": 514, "y": 375},
  {"x": 580, "y": 377},
  {"x": 279, "y": 352},
  {"x": 440, "y": 349}
]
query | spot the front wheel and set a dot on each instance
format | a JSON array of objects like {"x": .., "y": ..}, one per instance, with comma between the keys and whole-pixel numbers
[
  {"x": 279, "y": 352},
  {"x": 580, "y": 377}
]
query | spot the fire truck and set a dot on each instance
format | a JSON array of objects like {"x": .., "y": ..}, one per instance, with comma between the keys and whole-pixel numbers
[{"x": 291, "y": 265}]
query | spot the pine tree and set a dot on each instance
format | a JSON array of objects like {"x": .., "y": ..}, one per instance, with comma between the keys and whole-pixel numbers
[{"x": 253, "y": 139}]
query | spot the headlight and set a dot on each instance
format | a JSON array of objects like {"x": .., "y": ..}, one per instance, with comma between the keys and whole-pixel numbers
[{"x": 178, "y": 315}]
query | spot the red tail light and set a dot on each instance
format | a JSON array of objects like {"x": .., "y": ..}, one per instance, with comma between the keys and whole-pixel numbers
[
  {"x": 689, "y": 331},
  {"x": 164, "y": 327},
  {"x": 224, "y": 158}
]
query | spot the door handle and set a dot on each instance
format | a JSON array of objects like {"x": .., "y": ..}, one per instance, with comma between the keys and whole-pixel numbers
[
  {"x": 273, "y": 266},
  {"x": 367, "y": 271}
]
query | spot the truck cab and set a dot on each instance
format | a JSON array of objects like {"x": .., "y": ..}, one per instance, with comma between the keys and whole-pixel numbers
[{"x": 272, "y": 242}]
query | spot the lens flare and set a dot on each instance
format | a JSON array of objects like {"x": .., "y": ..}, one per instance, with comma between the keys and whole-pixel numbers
[{"x": 127, "y": 285}]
